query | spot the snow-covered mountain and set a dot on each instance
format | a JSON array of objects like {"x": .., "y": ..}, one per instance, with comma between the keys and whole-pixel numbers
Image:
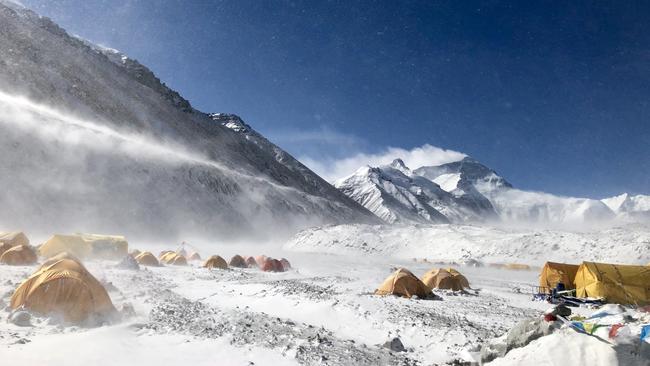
[
  {"x": 469, "y": 176},
  {"x": 93, "y": 141},
  {"x": 464, "y": 191},
  {"x": 464, "y": 176},
  {"x": 629, "y": 206},
  {"x": 397, "y": 195}
]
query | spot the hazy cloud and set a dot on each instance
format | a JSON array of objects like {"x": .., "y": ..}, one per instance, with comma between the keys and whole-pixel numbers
[{"x": 332, "y": 169}]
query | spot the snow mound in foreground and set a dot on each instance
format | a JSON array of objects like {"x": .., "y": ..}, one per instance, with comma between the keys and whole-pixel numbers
[{"x": 565, "y": 347}]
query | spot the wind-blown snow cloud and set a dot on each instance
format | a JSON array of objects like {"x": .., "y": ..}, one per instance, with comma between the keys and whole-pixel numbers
[{"x": 425, "y": 155}]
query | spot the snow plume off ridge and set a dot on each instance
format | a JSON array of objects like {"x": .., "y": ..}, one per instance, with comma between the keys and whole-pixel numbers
[{"x": 65, "y": 174}]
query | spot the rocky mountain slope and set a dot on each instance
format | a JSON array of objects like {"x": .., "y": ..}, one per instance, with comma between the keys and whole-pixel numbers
[{"x": 94, "y": 141}]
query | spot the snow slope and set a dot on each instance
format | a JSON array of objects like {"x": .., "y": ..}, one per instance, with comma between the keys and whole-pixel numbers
[
  {"x": 629, "y": 207},
  {"x": 93, "y": 141},
  {"x": 469, "y": 176},
  {"x": 458, "y": 243},
  {"x": 396, "y": 195}
]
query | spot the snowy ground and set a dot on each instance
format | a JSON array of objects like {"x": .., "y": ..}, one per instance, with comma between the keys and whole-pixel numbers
[
  {"x": 321, "y": 312},
  {"x": 628, "y": 244}
]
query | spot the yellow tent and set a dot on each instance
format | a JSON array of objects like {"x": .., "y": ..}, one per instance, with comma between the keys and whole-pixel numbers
[
  {"x": 173, "y": 258},
  {"x": 147, "y": 259},
  {"x": 441, "y": 278},
  {"x": 517, "y": 266},
  {"x": 554, "y": 273},
  {"x": 215, "y": 261},
  {"x": 20, "y": 255},
  {"x": 617, "y": 283},
  {"x": 73, "y": 244},
  {"x": 164, "y": 252},
  {"x": 13, "y": 238},
  {"x": 106, "y": 246},
  {"x": 63, "y": 287},
  {"x": 403, "y": 283}
]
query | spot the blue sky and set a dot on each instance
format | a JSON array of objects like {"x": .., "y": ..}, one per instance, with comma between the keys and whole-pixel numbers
[{"x": 554, "y": 95}]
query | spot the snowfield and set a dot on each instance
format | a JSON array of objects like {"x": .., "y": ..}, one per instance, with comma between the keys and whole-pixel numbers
[
  {"x": 321, "y": 312},
  {"x": 458, "y": 243}
]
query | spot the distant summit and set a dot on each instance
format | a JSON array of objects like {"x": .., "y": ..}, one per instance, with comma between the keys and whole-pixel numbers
[
  {"x": 397, "y": 195},
  {"x": 468, "y": 191}
]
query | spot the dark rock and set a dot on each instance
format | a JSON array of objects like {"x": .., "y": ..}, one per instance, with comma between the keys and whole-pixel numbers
[
  {"x": 128, "y": 262},
  {"x": 395, "y": 345},
  {"x": 21, "y": 319}
]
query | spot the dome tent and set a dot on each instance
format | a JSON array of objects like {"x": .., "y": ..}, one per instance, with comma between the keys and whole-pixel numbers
[
  {"x": 215, "y": 261},
  {"x": 173, "y": 258},
  {"x": 554, "y": 273},
  {"x": 251, "y": 262},
  {"x": 617, "y": 283},
  {"x": 13, "y": 239},
  {"x": 260, "y": 259},
  {"x": 285, "y": 264},
  {"x": 194, "y": 257},
  {"x": 62, "y": 286},
  {"x": 4, "y": 247},
  {"x": 20, "y": 255},
  {"x": 271, "y": 265},
  {"x": 164, "y": 252},
  {"x": 73, "y": 244},
  {"x": 403, "y": 283},
  {"x": 106, "y": 246},
  {"x": 238, "y": 261},
  {"x": 446, "y": 279},
  {"x": 147, "y": 259}
]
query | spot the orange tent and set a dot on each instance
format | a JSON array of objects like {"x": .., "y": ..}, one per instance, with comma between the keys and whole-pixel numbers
[
  {"x": 173, "y": 258},
  {"x": 271, "y": 265},
  {"x": 251, "y": 262},
  {"x": 20, "y": 255},
  {"x": 14, "y": 238},
  {"x": 285, "y": 264},
  {"x": 164, "y": 252},
  {"x": 147, "y": 259},
  {"x": 403, "y": 283},
  {"x": 215, "y": 261},
  {"x": 238, "y": 261},
  {"x": 63, "y": 286},
  {"x": 554, "y": 273},
  {"x": 194, "y": 257},
  {"x": 4, "y": 247},
  {"x": 449, "y": 279}
]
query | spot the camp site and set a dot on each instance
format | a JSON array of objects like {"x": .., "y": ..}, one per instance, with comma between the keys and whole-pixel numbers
[
  {"x": 324, "y": 183},
  {"x": 100, "y": 286}
]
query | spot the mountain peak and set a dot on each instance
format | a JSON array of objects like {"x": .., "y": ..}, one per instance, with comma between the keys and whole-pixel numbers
[{"x": 399, "y": 165}]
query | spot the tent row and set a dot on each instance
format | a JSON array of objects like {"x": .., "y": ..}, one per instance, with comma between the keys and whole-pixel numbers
[
  {"x": 404, "y": 283},
  {"x": 15, "y": 247},
  {"x": 177, "y": 258},
  {"x": 616, "y": 283}
]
